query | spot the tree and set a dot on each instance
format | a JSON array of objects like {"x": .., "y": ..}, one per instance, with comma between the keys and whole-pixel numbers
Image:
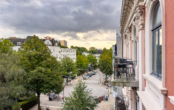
[
  {"x": 78, "y": 51},
  {"x": 104, "y": 51},
  {"x": 81, "y": 99},
  {"x": 10, "y": 74},
  {"x": 92, "y": 50},
  {"x": 5, "y": 46},
  {"x": 82, "y": 62},
  {"x": 105, "y": 62},
  {"x": 67, "y": 66},
  {"x": 10, "y": 78},
  {"x": 59, "y": 44},
  {"x": 92, "y": 60},
  {"x": 42, "y": 70},
  {"x": 83, "y": 49}
]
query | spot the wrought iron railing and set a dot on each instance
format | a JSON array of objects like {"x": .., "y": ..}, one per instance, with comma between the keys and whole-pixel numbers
[{"x": 124, "y": 69}]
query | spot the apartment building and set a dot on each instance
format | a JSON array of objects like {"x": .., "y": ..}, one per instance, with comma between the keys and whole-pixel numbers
[
  {"x": 52, "y": 44},
  {"x": 71, "y": 53},
  {"x": 63, "y": 43},
  {"x": 145, "y": 69}
]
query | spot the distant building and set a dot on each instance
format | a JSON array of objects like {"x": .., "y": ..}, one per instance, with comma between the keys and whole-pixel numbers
[
  {"x": 99, "y": 51},
  {"x": 63, "y": 43},
  {"x": 85, "y": 53},
  {"x": 52, "y": 44},
  {"x": 71, "y": 53}
]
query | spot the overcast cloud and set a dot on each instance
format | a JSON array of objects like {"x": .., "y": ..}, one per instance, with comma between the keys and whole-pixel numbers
[{"x": 63, "y": 17}]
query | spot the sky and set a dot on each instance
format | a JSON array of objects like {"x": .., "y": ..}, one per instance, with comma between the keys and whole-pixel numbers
[{"x": 84, "y": 23}]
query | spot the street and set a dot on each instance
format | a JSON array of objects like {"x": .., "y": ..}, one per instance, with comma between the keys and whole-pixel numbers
[{"x": 92, "y": 83}]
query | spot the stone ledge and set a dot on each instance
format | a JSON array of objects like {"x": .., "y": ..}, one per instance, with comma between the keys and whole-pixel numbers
[
  {"x": 156, "y": 83},
  {"x": 171, "y": 99},
  {"x": 147, "y": 102}
]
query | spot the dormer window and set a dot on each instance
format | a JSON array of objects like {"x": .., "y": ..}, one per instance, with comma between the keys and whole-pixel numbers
[{"x": 18, "y": 43}]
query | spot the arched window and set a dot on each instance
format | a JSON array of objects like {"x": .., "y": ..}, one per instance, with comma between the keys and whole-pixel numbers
[{"x": 157, "y": 42}]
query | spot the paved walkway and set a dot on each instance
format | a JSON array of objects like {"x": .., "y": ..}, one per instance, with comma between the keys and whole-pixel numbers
[{"x": 110, "y": 104}]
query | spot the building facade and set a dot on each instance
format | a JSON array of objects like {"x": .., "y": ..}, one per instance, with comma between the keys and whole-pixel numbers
[
  {"x": 71, "y": 53},
  {"x": 147, "y": 35},
  {"x": 63, "y": 43}
]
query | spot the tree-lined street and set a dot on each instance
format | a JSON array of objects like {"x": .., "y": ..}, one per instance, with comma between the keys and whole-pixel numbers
[{"x": 93, "y": 83}]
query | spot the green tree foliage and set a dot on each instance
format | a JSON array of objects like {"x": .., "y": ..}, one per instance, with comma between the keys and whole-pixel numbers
[
  {"x": 79, "y": 50},
  {"x": 92, "y": 50},
  {"x": 83, "y": 49},
  {"x": 68, "y": 66},
  {"x": 81, "y": 98},
  {"x": 63, "y": 47},
  {"x": 10, "y": 74},
  {"x": 42, "y": 70},
  {"x": 105, "y": 62},
  {"x": 82, "y": 62},
  {"x": 10, "y": 78},
  {"x": 92, "y": 60},
  {"x": 59, "y": 44},
  {"x": 5, "y": 46}
]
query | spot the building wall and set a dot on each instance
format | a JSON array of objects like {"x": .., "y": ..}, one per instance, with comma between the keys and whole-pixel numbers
[
  {"x": 16, "y": 48},
  {"x": 71, "y": 53},
  {"x": 55, "y": 51},
  {"x": 63, "y": 43},
  {"x": 157, "y": 90},
  {"x": 169, "y": 52},
  {"x": 119, "y": 47}
]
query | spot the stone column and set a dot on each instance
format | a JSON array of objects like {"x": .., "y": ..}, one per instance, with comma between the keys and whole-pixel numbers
[{"x": 139, "y": 22}]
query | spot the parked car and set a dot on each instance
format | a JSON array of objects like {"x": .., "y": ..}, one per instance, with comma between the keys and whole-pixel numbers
[
  {"x": 93, "y": 73},
  {"x": 85, "y": 76}
]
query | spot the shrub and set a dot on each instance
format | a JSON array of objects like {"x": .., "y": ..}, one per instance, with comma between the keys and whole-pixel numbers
[{"x": 26, "y": 104}]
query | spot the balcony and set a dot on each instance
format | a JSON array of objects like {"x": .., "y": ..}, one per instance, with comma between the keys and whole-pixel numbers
[{"x": 124, "y": 73}]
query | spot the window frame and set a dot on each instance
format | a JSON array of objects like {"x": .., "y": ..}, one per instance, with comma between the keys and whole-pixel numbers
[{"x": 156, "y": 28}]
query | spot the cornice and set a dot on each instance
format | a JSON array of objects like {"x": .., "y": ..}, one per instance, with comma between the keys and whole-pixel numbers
[{"x": 126, "y": 8}]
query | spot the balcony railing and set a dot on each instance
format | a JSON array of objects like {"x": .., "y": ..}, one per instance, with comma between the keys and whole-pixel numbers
[
  {"x": 124, "y": 73},
  {"x": 124, "y": 69}
]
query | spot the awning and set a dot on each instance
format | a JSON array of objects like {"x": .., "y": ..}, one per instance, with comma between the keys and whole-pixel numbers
[{"x": 147, "y": 101}]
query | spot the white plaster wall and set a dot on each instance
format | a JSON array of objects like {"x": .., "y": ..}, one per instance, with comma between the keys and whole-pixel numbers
[
  {"x": 71, "y": 53},
  {"x": 55, "y": 51},
  {"x": 119, "y": 47},
  {"x": 48, "y": 42},
  {"x": 16, "y": 48}
]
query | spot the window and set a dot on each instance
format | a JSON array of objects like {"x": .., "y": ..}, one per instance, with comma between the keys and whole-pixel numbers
[
  {"x": 135, "y": 46},
  {"x": 18, "y": 43},
  {"x": 157, "y": 42}
]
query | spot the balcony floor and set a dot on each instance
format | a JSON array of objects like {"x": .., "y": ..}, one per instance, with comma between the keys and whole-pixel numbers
[{"x": 123, "y": 82}]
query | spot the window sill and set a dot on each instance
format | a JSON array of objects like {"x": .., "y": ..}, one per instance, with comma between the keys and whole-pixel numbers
[
  {"x": 171, "y": 99},
  {"x": 156, "y": 83}
]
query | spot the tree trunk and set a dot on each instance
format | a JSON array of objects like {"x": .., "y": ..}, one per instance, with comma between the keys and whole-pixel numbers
[
  {"x": 66, "y": 79},
  {"x": 38, "y": 98}
]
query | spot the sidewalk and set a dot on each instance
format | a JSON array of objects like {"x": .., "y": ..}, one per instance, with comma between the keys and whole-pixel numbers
[
  {"x": 110, "y": 104},
  {"x": 107, "y": 105}
]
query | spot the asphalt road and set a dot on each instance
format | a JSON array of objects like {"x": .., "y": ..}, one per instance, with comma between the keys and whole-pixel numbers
[{"x": 92, "y": 83}]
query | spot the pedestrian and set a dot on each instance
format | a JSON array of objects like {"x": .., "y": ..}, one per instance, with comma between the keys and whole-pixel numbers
[{"x": 105, "y": 97}]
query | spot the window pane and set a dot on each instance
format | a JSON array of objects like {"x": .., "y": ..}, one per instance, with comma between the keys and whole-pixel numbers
[
  {"x": 160, "y": 52},
  {"x": 157, "y": 16},
  {"x": 155, "y": 53}
]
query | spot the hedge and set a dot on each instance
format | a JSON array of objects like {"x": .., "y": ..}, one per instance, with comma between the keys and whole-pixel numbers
[{"x": 27, "y": 104}]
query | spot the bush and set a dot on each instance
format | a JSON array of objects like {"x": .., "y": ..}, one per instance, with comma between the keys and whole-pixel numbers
[
  {"x": 27, "y": 104},
  {"x": 73, "y": 76}
]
